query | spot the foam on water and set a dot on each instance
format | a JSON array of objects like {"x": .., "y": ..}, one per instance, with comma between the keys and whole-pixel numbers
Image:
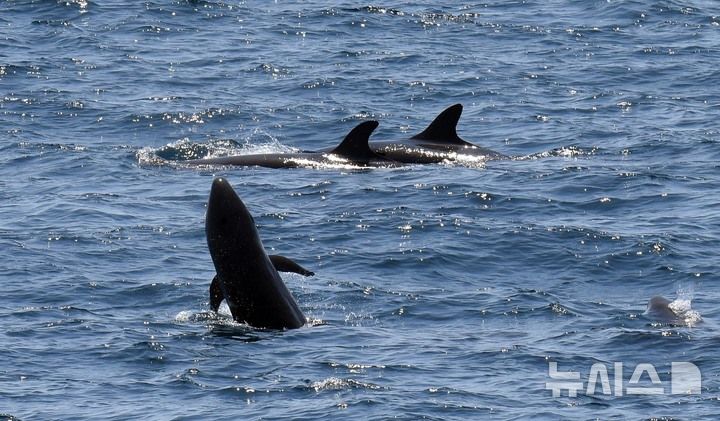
[{"x": 682, "y": 306}]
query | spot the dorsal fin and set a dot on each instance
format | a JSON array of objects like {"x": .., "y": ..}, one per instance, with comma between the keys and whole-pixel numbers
[
  {"x": 355, "y": 145},
  {"x": 442, "y": 129}
]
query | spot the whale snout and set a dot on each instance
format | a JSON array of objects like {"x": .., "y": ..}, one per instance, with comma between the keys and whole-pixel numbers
[
  {"x": 221, "y": 190},
  {"x": 226, "y": 212},
  {"x": 224, "y": 199}
]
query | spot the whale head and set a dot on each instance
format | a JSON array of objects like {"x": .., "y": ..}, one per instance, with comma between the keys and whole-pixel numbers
[{"x": 229, "y": 226}]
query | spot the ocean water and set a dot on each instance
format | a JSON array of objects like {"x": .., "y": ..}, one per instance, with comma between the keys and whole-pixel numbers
[{"x": 447, "y": 291}]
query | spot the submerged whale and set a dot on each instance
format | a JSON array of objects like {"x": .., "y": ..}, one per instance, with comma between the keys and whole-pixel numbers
[
  {"x": 439, "y": 142},
  {"x": 353, "y": 150},
  {"x": 677, "y": 313},
  {"x": 246, "y": 277},
  {"x": 659, "y": 308}
]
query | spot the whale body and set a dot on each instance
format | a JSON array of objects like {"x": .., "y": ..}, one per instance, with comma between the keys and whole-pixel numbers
[
  {"x": 246, "y": 277},
  {"x": 437, "y": 143},
  {"x": 353, "y": 150}
]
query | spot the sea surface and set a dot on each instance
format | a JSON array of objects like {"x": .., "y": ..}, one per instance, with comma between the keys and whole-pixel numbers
[{"x": 452, "y": 291}]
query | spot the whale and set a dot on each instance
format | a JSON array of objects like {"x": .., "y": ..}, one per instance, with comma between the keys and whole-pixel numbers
[
  {"x": 658, "y": 308},
  {"x": 246, "y": 277},
  {"x": 439, "y": 142},
  {"x": 353, "y": 151},
  {"x": 678, "y": 312}
]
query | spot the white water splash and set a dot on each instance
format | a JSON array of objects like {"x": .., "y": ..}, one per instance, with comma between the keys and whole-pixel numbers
[{"x": 682, "y": 307}]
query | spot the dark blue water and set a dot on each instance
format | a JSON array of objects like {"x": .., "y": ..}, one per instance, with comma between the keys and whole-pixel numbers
[{"x": 442, "y": 291}]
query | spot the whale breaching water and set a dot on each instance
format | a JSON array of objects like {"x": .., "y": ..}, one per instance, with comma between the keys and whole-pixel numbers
[{"x": 246, "y": 276}]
